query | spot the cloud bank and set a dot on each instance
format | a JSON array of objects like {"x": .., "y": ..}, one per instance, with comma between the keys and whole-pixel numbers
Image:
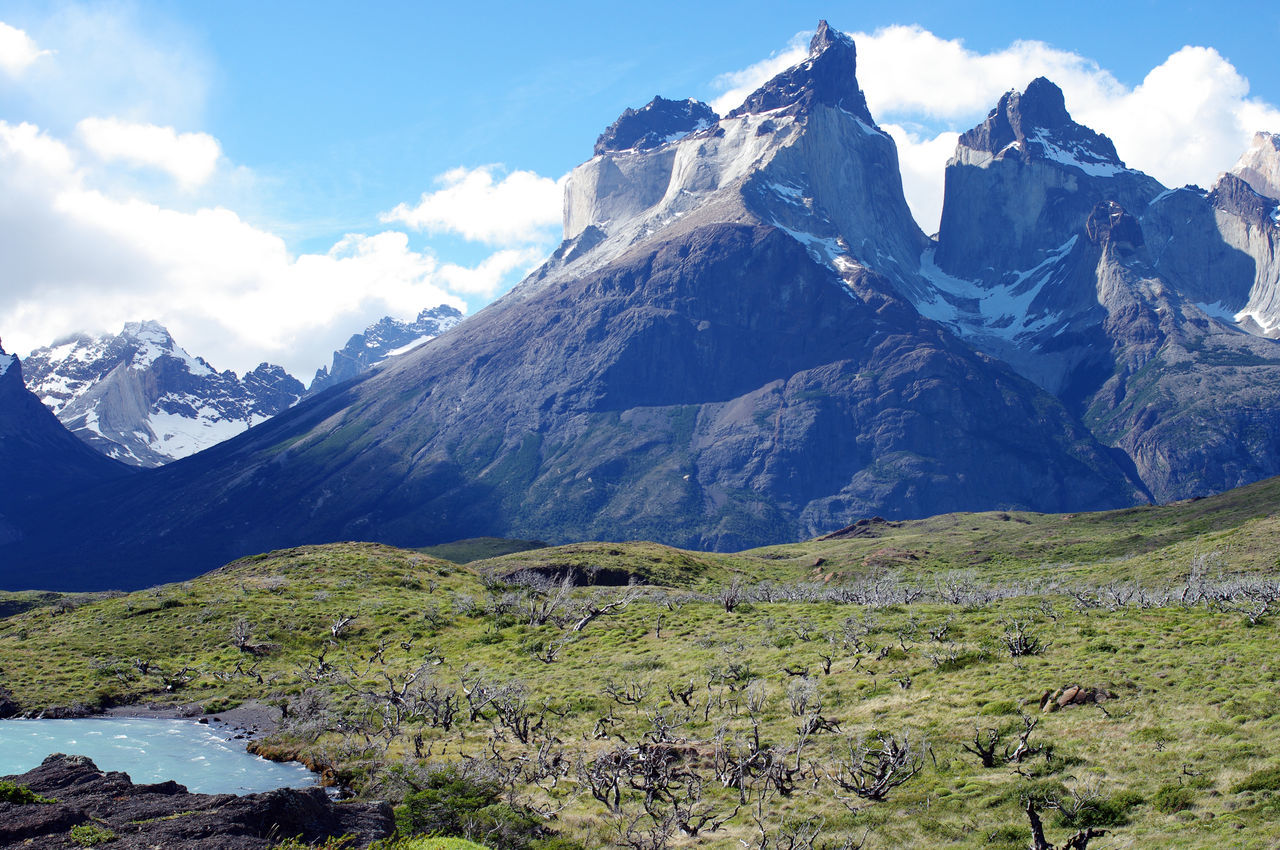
[
  {"x": 190, "y": 158},
  {"x": 520, "y": 207}
]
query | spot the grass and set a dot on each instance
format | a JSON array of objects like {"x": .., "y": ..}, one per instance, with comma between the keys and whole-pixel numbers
[{"x": 1179, "y": 754}]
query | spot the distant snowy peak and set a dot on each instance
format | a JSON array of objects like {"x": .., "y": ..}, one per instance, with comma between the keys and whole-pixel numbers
[
  {"x": 828, "y": 77},
  {"x": 385, "y": 338},
  {"x": 657, "y": 123},
  {"x": 1035, "y": 125},
  {"x": 1260, "y": 165},
  {"x": 139, "y": 397}
]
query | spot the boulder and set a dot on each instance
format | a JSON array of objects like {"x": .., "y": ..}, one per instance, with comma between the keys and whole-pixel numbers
[{"x": 166, "y": 815}]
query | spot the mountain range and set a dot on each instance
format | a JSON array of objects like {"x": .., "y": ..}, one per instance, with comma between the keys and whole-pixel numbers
[
  {"x": 139, "y": 397},
  {"x": 745, "y": 338}
]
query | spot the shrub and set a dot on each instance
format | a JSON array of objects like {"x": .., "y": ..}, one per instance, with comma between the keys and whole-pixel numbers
[
  {"x": 21, "y": 795},
  {"x": 453, "y": 804},
  {"x": 91, "y": 835},
  {"x": 1263, "y": 780},
  {"x": 1173, "y": 798},
  {"x": 1100, "y": 811}
]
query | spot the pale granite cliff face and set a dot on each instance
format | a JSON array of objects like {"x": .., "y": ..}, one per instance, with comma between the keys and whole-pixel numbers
[{"x": 139, "y": 397}]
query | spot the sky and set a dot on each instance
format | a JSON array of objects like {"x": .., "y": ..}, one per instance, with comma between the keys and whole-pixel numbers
[{"x": 268, "y": 178}]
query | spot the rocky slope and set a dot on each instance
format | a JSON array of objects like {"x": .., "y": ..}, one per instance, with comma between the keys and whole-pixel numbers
[
  {"x": 140, "y": 398},
  {"x": 720, "y": 355},
  {"x": 385, "y": 338},
  {"x": 40, "y": 459},
  {"x": 141, "y": 817}
]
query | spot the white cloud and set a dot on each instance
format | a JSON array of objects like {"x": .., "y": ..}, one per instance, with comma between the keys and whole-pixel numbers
[
  {"x": 1188, "y": 121},
  {"x": 736, "y": 85},
  {"x": 521, "y": 207},
  {"x": 190, "y": 158},
  {"x": 78, "y": 258},
  {"x": 18, "y": 51},
  {"x": 486, "y": 278},
  {"x": 918, "y": 159}
]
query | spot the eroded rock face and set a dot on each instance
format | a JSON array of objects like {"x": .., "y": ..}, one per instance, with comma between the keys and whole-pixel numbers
[
  {"x": 167, "y": 815},
  {"x": 1260, "y": 165},
  {"x": 1024, "y": 181},
  {"x": 658, "y": 122}
]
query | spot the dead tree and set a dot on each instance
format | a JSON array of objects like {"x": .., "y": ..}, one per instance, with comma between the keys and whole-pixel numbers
[
  {"x": 874, "y": 768},
  {"x": 1079, "y": 841},
  {"x": 1024, "y": 749}
]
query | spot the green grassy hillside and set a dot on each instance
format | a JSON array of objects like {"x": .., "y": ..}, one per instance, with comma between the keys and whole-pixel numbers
[{"x": 748, "y": 699}]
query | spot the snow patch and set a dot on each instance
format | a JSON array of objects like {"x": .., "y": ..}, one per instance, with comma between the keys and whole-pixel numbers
[
  {"x": 179, "y": 436},
  {"x": 1077, "y": 156},
  {"x": 1002, "y": 310},
  {"x": 6, "y": 360},
  {"x": 410, "y": 346},
  {"x": 1220, "y": 311},
  {"x": 1270, "y": 324}
]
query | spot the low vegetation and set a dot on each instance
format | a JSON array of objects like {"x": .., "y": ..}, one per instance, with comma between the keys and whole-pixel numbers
[{"x": 1000, "y": 680}]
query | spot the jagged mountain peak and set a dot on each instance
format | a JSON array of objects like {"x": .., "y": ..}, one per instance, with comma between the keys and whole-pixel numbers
[
  {"x": 656, "y": 123},
  {"x": 140, "y": 397},
  {"x": 384, "y": 338},
  {"x": 1035, "y": 124},
  {"x": 1237, "y": 196},
  {"x": 828, "y": 76},
  {"x": 1259, "y": 166},
  {"x": 825, "y": 36}
]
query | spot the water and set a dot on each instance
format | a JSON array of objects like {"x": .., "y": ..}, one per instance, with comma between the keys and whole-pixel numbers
[{"x": 204, "y": 759}]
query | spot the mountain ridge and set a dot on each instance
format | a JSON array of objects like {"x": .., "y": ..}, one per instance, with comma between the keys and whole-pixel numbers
[{"x": 745, "y": 338}]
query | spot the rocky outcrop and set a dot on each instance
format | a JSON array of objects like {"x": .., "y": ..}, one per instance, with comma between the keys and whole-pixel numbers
[
  {"x": 1023, "y": 182},
  {"x": 1260, "y": 165},
  {"x": 385, "y": 338},
  {"x": 167, "y": 815},
  {"x": 657, "y": 123},
  {"x": 140, "y": 398},
  {"x": 1073, "y": 695}
]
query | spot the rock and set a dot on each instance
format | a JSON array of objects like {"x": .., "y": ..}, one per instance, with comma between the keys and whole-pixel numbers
[
  {"x": 658, "y": 122},
  {"x": 8, "y": 706},
  {"x": 166, "y": 815},
  {"x": 1072, "y": 695}
]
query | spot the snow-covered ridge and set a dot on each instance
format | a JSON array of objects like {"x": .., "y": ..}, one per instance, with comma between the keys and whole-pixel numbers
[
  {"x": 1075, "y": 155},
  {"x": 388, "y": 337},
  {"x": 141, "y": 398}
]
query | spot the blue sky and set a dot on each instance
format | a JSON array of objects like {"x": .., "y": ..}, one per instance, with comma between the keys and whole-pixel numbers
[{"x": 278, "y": 136}]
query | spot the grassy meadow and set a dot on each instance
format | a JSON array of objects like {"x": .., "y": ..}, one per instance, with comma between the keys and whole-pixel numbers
[{"x": 841, "y": 692}]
